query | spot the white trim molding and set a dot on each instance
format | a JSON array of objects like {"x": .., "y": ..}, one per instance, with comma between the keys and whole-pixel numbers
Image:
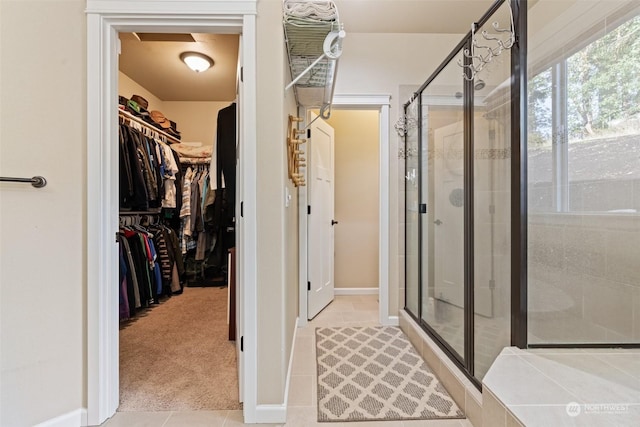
[
  {"x": 272, "y": 414},
  {"x": 70, "y": 419},
  {"x": 288, "y": 379},
  {"x": 385, "y": 225},
  {"x": 154, "y": 7},
  {"x": 361, "y": 102},
  {"x": 356, "y": 291},
  {"x": 303, "y": 317},
  {"x": 104, "y": 20},
  {"x": 248, "y": 247}
]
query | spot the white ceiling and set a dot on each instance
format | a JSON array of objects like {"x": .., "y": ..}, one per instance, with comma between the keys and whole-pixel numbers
[
  {"x": 156, "y": 66},
  {"x": 411, "y": 16}
]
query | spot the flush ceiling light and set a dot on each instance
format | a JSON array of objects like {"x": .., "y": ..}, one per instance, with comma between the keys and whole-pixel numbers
[{"x": 198, "y": 62}]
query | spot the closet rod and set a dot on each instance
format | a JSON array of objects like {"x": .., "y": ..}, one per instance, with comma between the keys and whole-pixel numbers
[
  {"x": 195, "y": 160},
  {"x": 36, "y": 181},
  {"x": 149, "y": 212},
  {"x": 129, "y": 116}
]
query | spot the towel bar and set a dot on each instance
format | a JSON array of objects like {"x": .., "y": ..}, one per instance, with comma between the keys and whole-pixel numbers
[{"x": 36, "y": 181}]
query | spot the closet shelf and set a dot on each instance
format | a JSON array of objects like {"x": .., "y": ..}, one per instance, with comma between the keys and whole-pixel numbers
[
  {"x": 154, "y": 132},
  {"x": 313, "y": 37}
]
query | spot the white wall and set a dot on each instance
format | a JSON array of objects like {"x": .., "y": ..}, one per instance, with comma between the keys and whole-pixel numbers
[
  {"x": 292, "y": 261},
  {"x": 42, "y": 231},
  {"x": 380, "y": 64},
  {"x": 275, "y": 295},
  {"x": 196, "y": 121},
  {"x": 356, "y": 198},
  {"x": 128, "y": 87}
]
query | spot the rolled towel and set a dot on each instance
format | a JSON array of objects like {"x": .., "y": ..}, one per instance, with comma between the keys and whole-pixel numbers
[{"x": 320, "y": 10}]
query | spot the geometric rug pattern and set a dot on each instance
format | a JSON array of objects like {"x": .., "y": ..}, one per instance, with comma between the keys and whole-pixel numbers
[{"x": 374, "y": 374}]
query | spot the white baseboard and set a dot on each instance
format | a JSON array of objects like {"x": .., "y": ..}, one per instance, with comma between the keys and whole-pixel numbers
[
  {"x": 355, "y": 291},
  {"x": 288, "y": 379},
  {"x": 393, "y": 321},
  {"x": 271, "y": 414},
  {"x": 75, "y": 418}
]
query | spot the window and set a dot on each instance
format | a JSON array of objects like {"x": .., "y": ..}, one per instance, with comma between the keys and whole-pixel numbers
[{"x": 584, "y": 127}]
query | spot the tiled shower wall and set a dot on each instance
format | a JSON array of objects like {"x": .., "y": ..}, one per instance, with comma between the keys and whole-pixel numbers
[{"x": 584, "y": 278}]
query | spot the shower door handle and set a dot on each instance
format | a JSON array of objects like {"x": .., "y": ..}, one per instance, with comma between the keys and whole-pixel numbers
[{"x": 437, "y": 222}]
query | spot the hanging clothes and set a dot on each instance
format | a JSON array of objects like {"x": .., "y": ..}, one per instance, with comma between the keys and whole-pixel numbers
[
  {"x": 150, "y": 266},
  {"x": 152, "y": 177},
  {"x": 226, "y": 142},
  {"x": 148, "y": 171},
  {"x": 222, "y": 211}
]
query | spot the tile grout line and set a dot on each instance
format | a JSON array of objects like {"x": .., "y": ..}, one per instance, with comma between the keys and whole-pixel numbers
[{"x": 550, "y": 379}]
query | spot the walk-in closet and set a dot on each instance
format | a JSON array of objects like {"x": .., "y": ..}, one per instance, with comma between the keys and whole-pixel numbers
[{"x": 177, "y": 139}]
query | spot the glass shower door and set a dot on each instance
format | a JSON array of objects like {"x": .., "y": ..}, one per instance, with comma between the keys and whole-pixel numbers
[
  {"x": 443, "y": 190},
  {"x": 411, "y": 180}
]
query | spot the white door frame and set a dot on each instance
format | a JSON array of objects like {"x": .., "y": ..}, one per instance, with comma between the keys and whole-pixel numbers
[
  {"x": 105, "y": 19},
  {"x": 380, "y": 103}
]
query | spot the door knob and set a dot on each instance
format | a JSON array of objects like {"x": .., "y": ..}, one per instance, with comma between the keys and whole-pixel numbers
[
  {"x": 334, "y": 222},
  {"x": 437, "y": 222}
]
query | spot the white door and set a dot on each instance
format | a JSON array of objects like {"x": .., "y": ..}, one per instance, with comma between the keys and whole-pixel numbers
[
  {"x": 320, "y": 157},
  {"x": 239, "y": 233}
]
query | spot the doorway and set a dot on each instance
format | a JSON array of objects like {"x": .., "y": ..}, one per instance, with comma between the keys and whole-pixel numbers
[
  {"x": 177, "y": 346},
  {"x": 103, "y": 24},
  {"x": 379, "y": 103}
]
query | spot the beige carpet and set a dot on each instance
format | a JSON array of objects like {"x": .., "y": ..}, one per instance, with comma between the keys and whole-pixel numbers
[
  {"x": 374, "y": 374},
  {"x": 177, "y": 357}
]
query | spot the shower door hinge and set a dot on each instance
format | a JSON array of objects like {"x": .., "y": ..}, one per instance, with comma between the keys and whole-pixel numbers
[
  {"x": 308, "y": 286},
  {"x": 242, "y": 343},
  {"x": 242, "y": 74},
  {"x": 423, "y": 208},
  {"x": 308, "y": 209},
  {"x": 308, "y": 133},
  {"x": 242, "y": 209}
]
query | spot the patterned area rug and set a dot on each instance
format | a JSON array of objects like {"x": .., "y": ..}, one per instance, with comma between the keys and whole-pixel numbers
[{"x": 374, "y": 374}]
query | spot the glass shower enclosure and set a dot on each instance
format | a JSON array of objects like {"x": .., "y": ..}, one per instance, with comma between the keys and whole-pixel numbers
[
  {"x": 521, "y": 197},
  {"x": 457, "y": 190}
]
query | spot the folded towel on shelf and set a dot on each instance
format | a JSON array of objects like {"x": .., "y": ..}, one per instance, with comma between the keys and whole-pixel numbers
[
  {"x": 314, "y": 10},
  {"x": 193, "y": 152}
]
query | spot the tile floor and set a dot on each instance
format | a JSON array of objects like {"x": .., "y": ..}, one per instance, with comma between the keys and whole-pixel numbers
[{"x": 343, "y": 311}]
